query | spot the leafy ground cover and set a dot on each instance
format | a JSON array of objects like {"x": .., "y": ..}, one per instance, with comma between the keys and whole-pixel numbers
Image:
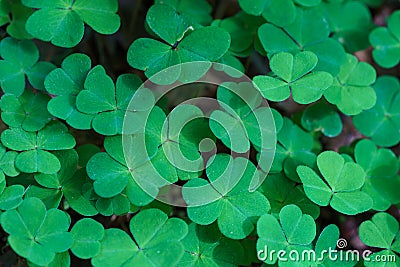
[{"x": 302, "y": 156}]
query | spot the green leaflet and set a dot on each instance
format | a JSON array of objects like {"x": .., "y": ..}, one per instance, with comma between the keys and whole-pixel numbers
[
  {"x": 293, "y": 231},
  {"x": 20, "y": 59},
  {"x": 294, "y": 76},
  {"x": 351, "y": 91},
  {"x": 220, "y": 201},
  {"x": 381, "y": 168},
  {"x": 35, "y": 233},
  {"x": 183, "y": 43},
  {"x": 62, "y": 22},
  {"x": 340, "y": 185},
  {"x": 34, "y": 147},
  {"x": 381, "y": 123},
  {"x": 117, "y": 248},
  {"x": 309, "y": 32},
  {"x": 381, "y": 232},
  {"x": 385, "y": 41}
]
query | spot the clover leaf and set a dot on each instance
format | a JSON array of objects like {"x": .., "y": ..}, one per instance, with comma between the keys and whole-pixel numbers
[
  {"x": 232, "y": 204},
  {"x": 87, "y": 234},
  {"x": 382, "y": 122},
  {"x": 327, "y": 241},
  {"x": 37, "y": 234},
  {"x": 111, "y": 174},
  {"x": 350, "y": 23},
  {"x": 351, "y": 91},
  {"x": 34, "y": 147},
  {"x": 322, "y": 117},
  {"x": 106, "y": 102},
  {"x": 243, "y": 31},
  {"x": 279, "y": 12},
  {"x": 64, "y": 84},
  {"x": 4, "y": 13},
  {"x": 386, "y": 41},
  {"x": 20, "y": 58},
  {"x": 7, "y": 162},
  {"x": 193, "y": 12},
  {"x": 17, "y": 17},
  {"x": 182, "y": 43},
  {"x": 381, "y": 168},
  {"x": 293, "y": 231},
  {"x": 152, "y": 232},
  {"x": 281, "y": 192},
  {"x": 205, "y": 246},
  {"x": 294, "y": 148},
  {"x": 309, "y": 32},
  {"x": 60, "y": 259},
  {"x": 242, "y": 119},
  {"x": 382, "y": 232},
  {"x": 295, "y": 76},
  {"x": 62, "y": 22},
  {"x": 11, "y": 196},
  {"x": 28, "y": 111},
  {"x": 340, "y": 185},
  {"x": 117, "y": 205},
  {"x": 69, "y": 182}
]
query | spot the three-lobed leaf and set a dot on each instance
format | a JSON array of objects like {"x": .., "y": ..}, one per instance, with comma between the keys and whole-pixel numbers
[
  {"x": 62, "y": 22},
  {"x": 340, "y": 185}
]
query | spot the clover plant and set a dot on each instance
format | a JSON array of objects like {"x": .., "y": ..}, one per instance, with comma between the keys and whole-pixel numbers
[{"x": 199, "y": 133}]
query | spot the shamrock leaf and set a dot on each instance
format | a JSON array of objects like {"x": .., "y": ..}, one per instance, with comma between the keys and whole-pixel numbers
[
  {"x": 117, "y": 205},
  {"x": 351, "y": 91},
  {"x": 350, "y": 23},
  {"x": 242, "y": 118},
  {"x": 340, "y": 185},
  {"x": 382, "y": 122},
  {"x": 60, "y": 260},
  {"x": 228, "y": 199},
  {"x": 37, "y": 234},
  {"x": 20, "y": 58},
  {"x": 327, "y": 241},
  {"x": 87, "y": 234},
  {"x": 205, "y": 246},
  {"x": 18, "y": 17},
  {"x": 193, "y": 12},
  {"x": 243, "y": 31},
  {"x": 381, "y": 168},
  {"x": 309, "y": 32},
  {"x": 183, "y": 43},
  {"x": 69, "y": 182},
  {"x": 152, "y": 232},
  {"x": 322, "y": 117},
  {"x": 279, "y": 12},
  {"x": 111, "y": 174},
  {"x": 28, "y": 111},
  {"x": 381, "y": 232},
  {"x": 386, "y": 41},
  {"x": 7, "y": 160},
  {"x": 4, "y": 13},
  {"x": 62, "y": 22},
  {"x": 65, "y": 83},
  {"x": 281, "y": 192},
  {"x": 11, "y": 196},
  {"x": 293, "y": 231},
  {"x": 34, "y": 147},
  {"x": 294, "y": 148},
  {"x": 106, "y": 102},
  {"x": 295, "y": 76}
]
